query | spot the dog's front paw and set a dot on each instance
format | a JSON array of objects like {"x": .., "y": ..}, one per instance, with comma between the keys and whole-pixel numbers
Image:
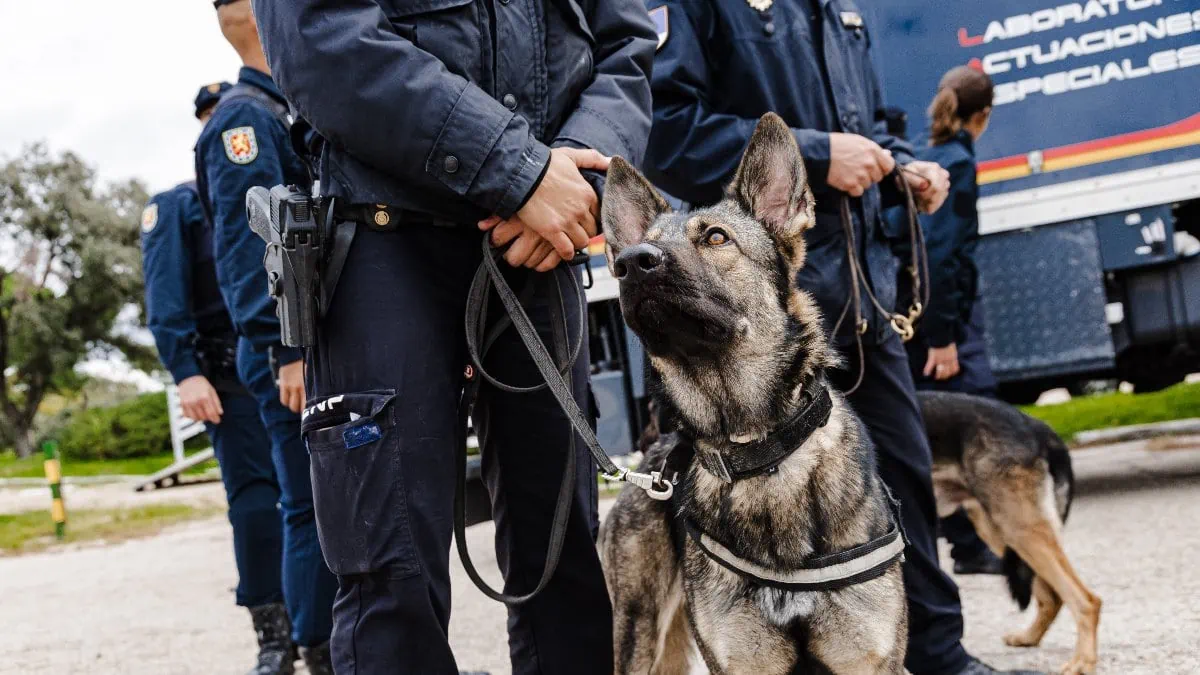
[
  {"x": 1079, "y": 665},
  {"x": 1022, "y": 639}
]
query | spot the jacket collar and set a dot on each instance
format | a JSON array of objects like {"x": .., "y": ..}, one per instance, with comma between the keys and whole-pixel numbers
[
  {"x": 736, "y": 461},
  {"x": 964, "y": 138},
  {"x": 259, "y": 79}
]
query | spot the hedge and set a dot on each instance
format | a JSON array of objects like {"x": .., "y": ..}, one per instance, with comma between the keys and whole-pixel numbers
[{"x": 136, "y": 428}]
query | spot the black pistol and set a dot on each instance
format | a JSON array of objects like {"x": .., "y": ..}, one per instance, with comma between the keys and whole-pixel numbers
[{"x": 288, "y": 221}]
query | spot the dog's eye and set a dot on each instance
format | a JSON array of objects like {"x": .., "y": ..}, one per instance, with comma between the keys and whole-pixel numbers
[{"x": 716, "y": 237}]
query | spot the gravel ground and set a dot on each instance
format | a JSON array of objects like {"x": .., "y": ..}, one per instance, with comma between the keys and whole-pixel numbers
[
  {"x": 164, "y": 605},
  {"x": 112, "y": 495}
]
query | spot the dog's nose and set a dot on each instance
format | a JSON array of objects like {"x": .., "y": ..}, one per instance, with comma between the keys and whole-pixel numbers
[{"x": 638, "y": 262}]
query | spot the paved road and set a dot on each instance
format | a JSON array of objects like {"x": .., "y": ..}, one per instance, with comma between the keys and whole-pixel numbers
[{"x": 164, "y": 605}]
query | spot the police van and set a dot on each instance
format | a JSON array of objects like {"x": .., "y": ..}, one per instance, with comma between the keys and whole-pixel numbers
[{"x": 1089, "y": 177}]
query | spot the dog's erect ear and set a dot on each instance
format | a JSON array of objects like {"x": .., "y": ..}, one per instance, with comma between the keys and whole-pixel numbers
[
  {"x": 771, "y": 182},
  {"x": 630, "y": 205}
]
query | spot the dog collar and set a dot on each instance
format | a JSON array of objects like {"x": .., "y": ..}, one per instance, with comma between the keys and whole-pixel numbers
[{"x": 745, "y": 460}]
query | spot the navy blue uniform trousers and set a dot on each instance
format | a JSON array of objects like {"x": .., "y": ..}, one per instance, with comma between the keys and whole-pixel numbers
[
  {"x": 886, "y": 402},
  {"x": 392, "y": 351},
  {"x": 243, "y": 451},
  {"x": 308, "y": 586}
]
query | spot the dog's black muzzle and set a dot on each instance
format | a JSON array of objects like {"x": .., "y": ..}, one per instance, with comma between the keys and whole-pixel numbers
[
  {"x": 670, "y": 311},
  {"x": 640, "y": 263}
]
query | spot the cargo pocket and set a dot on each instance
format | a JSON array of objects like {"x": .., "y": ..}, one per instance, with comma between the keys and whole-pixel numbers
[{"x": 358, "y": 483}]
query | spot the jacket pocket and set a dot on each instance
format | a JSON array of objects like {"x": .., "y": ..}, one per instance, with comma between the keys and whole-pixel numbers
[
  {"x": 450, "y": 30},
  {"x": 359, "y": 492},
  {"x": 396, "y": 9}
]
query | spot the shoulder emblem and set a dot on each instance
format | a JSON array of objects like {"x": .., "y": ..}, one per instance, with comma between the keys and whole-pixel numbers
[
  {"x": 149, "y": 217},
  {"x": 241, "y": 146},
  {"x": 760, "y": 5},
  {"x": 661, "y": 25}
]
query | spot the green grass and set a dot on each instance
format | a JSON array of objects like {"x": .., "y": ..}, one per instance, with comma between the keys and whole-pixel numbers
[
  {"x": 31, "y": 467},
  {"x": 1103, "y": 411},
  {"x": 32, "y": 531}
]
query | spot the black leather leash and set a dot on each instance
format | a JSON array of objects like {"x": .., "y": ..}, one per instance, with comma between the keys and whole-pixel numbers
[
  {"x": 902, "y": 324},
  {"x": 556, "y": 377}
]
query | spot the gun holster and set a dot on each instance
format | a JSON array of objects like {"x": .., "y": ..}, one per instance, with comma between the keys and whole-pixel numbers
[
  {"x": 217, "y": 356},
  {"x": 306, "y": 250}
]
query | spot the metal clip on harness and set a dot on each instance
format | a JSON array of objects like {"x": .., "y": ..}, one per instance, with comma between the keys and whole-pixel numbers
[{"x": 480, "y": 337}]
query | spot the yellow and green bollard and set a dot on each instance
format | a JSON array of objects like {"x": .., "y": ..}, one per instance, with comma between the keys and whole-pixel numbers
[{"x": 58, "y": 510}]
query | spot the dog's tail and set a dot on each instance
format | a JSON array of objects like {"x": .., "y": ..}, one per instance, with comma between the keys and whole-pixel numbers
[
  {"x": 1059, "y": 460},
  {"x": 1019, "y": 575},
  {"x": 1017, "y": 572}
]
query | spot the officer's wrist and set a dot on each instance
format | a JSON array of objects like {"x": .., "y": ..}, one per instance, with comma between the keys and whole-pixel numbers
[
  {"x": 285, "y": 355},
  {"x": 188, "y": 367},
  {"x": 533, "y": 188}
]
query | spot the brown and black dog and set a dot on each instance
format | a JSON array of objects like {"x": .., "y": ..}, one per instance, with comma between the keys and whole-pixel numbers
[
  {"x": 741, "y": 352},
  {"x": 1012, "y": 474}
]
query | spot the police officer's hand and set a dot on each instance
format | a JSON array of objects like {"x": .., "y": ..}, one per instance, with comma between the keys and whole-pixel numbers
[
  {"x": 291, "y": 385},
  {"x": 528, "y": 248},
  {"x": 199, "y": 400},
  {"x": 942, "y": 363},
  {"x": 856, "y": 163},
  {"x": 930, "y": 184},
  {"x": 564, "y": 208}
]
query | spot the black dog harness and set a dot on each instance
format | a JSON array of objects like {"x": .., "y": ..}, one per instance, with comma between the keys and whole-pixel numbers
[
  {"x": 822, "y": 573},
  {"x": 747, "y": 460}
]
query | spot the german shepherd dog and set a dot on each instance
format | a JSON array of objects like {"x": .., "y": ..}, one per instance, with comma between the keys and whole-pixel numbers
[
  {"x": 1012, "y": 474},
  {"x": 740, "y": 351}
]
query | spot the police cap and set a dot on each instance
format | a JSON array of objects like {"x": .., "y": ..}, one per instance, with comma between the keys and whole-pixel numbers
[{"x": 209, "y": 95}]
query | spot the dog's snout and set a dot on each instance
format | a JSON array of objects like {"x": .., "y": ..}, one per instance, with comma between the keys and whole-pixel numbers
[{"x": 638, "y": 262}]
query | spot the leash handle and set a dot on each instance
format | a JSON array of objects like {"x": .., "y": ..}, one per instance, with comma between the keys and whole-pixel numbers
[{"x": 489, "y": 276}]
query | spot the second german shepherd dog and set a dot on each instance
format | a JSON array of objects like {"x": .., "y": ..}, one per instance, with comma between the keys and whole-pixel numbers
[
  {"x": 1012, "y": 474},
  {"x": 741, "y": 352}
]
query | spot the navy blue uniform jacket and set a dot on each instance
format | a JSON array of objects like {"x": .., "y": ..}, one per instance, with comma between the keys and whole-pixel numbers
[
  {"x": 951, "y": 236},
  {"x": 722, "y": 65},
  {"x": 182, "y": 298},
  {"x": 245, "y": 144},
  {"x": 450, "y": 107}
]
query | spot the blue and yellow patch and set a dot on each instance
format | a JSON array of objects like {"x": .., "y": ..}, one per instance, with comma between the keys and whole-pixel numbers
[{"x": 149, "y": 217}]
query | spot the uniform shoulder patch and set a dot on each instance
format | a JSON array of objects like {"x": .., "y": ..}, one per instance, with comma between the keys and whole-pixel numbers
[
  {"x": 149, "y": 217},
  {"x": 661, "y": 25},
  {"x": 241, "y": 145}
]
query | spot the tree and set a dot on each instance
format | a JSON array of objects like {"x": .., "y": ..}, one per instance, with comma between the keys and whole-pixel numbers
[{"x": 75, "y": 264}]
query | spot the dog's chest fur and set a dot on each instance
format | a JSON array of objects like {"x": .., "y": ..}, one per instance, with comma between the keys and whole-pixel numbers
[{"x": 783, "y": 608}]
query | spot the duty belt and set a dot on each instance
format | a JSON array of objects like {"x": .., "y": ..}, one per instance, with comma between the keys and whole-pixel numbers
[{"x": 383, "y": 217}]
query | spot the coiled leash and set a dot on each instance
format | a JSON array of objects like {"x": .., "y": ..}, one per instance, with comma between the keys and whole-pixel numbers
[
  {"x": 556, "y": 377},
  {"x": 902, "y": 324}
]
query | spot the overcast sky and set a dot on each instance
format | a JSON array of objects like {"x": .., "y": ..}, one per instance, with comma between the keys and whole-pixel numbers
[{"x": 113, "y": 81}]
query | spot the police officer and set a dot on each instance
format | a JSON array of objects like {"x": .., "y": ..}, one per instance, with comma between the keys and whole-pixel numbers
[
  {"x": 949, "y": 351},
  {"x": 439, "y": 115},
  {"x": 721, "y": 64},
  {"x": 195, "y": 340},
  {"x": 245, "y": 145}
]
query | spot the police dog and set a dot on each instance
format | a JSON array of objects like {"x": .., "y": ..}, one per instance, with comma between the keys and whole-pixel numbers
[
  {"x": 1012, "y": 474},
  {"x": 739, "y": 350}
]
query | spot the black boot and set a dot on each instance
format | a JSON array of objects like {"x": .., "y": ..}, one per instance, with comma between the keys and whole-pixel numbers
[
  {"x": 977, "y": 667},
  {"x": 276, "y": 652},
  {"x": 317, "y": 659},
  {"x": 983, "y": 562}
]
